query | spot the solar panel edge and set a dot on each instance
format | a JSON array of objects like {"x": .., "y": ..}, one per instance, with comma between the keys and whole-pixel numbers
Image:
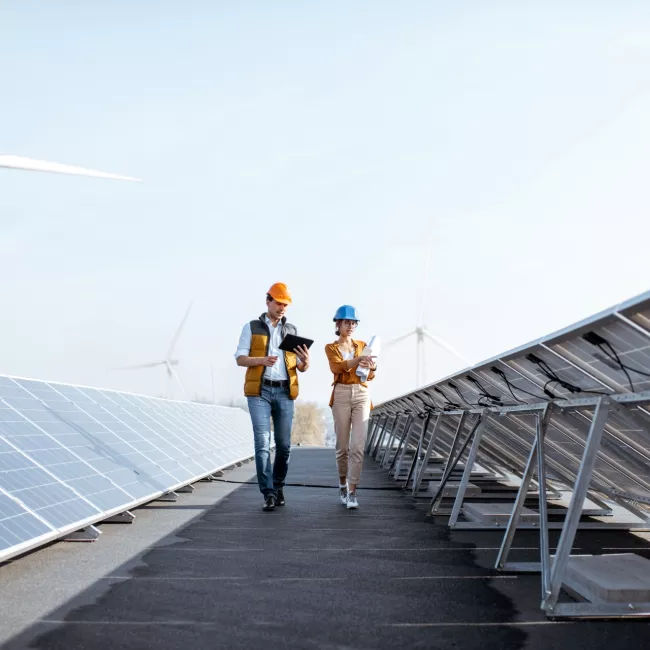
[
  {"x": 222, "y": 407},
  {"x": 642, "y": 301}
]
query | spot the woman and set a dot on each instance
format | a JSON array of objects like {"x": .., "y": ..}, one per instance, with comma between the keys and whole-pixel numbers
[{"x": 350, "y": 402}]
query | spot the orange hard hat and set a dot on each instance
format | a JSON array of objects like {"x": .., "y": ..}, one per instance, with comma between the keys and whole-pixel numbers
[{"x": 280, "y": 293}]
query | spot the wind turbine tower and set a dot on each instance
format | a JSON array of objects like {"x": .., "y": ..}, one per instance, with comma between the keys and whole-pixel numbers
[{"x": 422, "y": 333}]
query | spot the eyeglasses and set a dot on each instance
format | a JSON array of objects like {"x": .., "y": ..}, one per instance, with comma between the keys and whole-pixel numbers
[{"x": 350, "y": 323}]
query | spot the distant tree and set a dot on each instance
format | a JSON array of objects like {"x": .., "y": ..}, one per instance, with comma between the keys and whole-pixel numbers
[{"x": 308, "y": 424}]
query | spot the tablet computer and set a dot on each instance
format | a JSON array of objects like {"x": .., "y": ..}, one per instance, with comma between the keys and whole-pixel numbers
[{"x": 291, "y": 341}]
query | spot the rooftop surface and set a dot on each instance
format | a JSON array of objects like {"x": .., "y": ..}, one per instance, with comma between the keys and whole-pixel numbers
[{"x": 214, "y": 571}]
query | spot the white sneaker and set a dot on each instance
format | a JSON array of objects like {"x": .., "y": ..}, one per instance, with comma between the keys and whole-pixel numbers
[
  {"x": 352, "y": 501},
  {"x": 343, "y": 494}
]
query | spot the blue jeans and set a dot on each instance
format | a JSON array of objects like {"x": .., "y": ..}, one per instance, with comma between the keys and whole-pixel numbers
[{"x": 274, "y": 402}]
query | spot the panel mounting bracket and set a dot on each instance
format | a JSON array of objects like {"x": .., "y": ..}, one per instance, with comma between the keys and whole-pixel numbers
[
  {"x": 169, "y": 496},
  {"x": 125, "y": 517},
  {"x": 87, "y": 534}
]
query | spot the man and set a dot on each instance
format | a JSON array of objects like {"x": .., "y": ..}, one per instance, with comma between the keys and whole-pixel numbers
[{"x": 271, "y": 387}]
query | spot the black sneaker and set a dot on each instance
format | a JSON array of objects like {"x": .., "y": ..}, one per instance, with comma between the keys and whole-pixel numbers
[
  {"x": 279, "y": 497},
  {"x": 269, "y": 502}
]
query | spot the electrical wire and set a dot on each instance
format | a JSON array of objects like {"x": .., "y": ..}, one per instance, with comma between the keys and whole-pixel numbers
[
  {"x": 449, "y": 405},
  {"x": 307, "y": 485},
  {"x": 502, "y": 374},
  {"x": 455, "y": 388},
  {"x": 620, "y": 363},
  {"x": 624, "y": 367},
  {"x": 484, "y": 394},
  {"x": 553, "y": 377}
]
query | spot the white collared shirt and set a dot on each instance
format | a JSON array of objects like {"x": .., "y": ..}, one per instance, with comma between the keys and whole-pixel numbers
[{"x": 277, "y": 372}]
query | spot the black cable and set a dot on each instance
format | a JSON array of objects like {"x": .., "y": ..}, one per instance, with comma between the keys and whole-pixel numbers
[
  {"x": 620, "y": 363},
  {"x": 308, "y": 485},
  {"x": 498, "y": 371},
  {"x": 483, "y": 393},
  {"x": 448, "y": 403},
  {"x": 599, "y": 341},
  {"x": 630, "y": 368},
  {"x": 454, "y": 387},
  {"x": 624, "y": 366},
  {"x": 553, "y": 377}
]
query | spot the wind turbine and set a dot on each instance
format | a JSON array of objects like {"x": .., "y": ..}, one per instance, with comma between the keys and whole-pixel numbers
[
  {"x": 421, "y": 333},
  {"x": 168, "y": 361},
  {"x": 18, "y": 162}
]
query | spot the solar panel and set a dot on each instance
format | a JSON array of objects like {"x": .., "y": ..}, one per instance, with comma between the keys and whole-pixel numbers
[
  {"x": 17, "y": 524},
  {"x": 573, "y": 407},
  {"x": 71, "y": 456}
]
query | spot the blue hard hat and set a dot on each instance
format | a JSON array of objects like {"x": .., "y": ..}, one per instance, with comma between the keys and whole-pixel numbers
[{"x": 346, "y": 312}]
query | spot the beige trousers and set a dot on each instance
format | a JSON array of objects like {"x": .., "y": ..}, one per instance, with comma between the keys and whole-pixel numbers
[{"x": 351, "y": 411}]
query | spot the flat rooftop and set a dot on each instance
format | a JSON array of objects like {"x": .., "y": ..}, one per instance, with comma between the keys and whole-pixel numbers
[{"x": 214, "y": 571}]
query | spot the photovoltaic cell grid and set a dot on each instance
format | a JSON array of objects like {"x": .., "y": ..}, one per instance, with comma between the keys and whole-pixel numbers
[
  {"x": 608, "y": 354},
  {"x": 71, "y": 456}
]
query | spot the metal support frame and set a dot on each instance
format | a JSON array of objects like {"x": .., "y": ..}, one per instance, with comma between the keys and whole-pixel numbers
[
  {"x": 451, "y": 464},
  {"x": 543, "y": 420},
  {"x": 572, "y": 520},
  {"x": 168, "y": 496},
  {"x": 382, "y": 434},
  {"x": 392, "y": 436},
  {"x": 454, "y": 444},
  {"x": 553, "y": 568},
  {"x": 186, "y": 489},
  {"x": 400, "y": 452},
  {"x": 469, "y": 463},
  {"x": 126, "y": 517},
  {"x": 387, "y": 440},
  {"x": 373, "y": 431},
  {"x": 414, "y": 460},
  {"x": 389, "y": 436},
  {"x": 419, "y": 475},
  {"x": 378, "y": 436},
  {"x": 87, "y": 534}
]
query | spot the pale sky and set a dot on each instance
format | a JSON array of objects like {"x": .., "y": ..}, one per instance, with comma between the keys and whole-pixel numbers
[{"x": 325, "y": 145}]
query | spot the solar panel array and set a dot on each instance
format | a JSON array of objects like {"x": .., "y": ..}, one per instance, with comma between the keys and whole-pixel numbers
[
  {"x": 608, "y": 354},
  {"x": 589, "y": 382},
  {"x": 71, "y": 456}
]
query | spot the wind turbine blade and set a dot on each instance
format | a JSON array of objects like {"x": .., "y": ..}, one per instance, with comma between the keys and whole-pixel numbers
[
  {"x": 178, "y": 333},
  {"x": 447, "y": 346},
  {"x": 18, "y": 162},
  {"x": 401, "y": 338},
  {"x": 154, "y": 364}
]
